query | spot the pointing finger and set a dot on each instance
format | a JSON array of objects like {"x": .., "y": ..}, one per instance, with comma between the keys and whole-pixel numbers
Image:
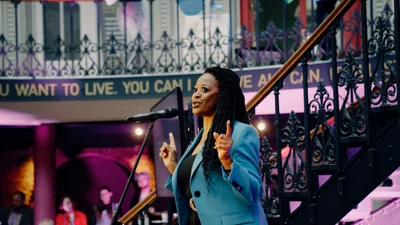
[
  {"x": 228, "y": 128},
  {"x": 172, "y": 141}
]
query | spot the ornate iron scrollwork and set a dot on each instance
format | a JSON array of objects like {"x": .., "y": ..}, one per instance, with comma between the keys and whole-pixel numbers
[
  {"x": 352, "y": 122},
  {"x": 7, "y": 68},
  {"x": 86, "y": 66},
  {"x": 31, "y": 65},
  {"x": 271, "y": 53},
  {"x": 295, "y": 172},
  {"x": 269, "y": 165},
  {"x": 115, "y": 57},
  {"x": 113, "y": 64},
  {"x": 244, "y": 55},
  {"x": 192, "y": 60},
  {"x": 165, "y": 63},
  {"x": 217, "y": 42},
  {"x": 381, "y": 45},
  {"x": 58, "y": 65},
  {"x": 296, "y": 33},
  {"x": 323, "y": 139},
  {"x": 137, "y": 60},
  {"x": 353, "y": 27}
]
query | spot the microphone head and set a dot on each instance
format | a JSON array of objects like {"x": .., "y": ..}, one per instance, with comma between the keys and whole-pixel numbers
[
  {"x": 152, "y": 116},
  {"x": 171, "y": 112}
]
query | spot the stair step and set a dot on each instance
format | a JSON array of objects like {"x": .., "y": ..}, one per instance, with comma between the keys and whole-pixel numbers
[
  {"x": 384, "y": 109},
  {"x": 361, "y": 175},
  {"x": 388, "y": 214},
  {"x": 324, "y": 169},
  {"x": 353, "y": 141},
  {"x": 296, "y": 195}
]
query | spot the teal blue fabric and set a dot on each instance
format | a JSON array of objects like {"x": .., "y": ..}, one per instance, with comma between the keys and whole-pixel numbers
[{"x": 229, "y": 199}]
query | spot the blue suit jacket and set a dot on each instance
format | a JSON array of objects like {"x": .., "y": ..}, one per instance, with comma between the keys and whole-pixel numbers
[{"x": 230, "y": 199}]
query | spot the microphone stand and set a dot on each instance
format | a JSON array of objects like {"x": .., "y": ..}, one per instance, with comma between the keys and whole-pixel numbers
[
  {"x": 114, "y": 220},
  {"x": 142, "y": 216}
]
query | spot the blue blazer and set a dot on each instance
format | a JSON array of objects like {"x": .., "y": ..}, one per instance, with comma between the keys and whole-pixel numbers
[{"x": 230, "y": 199}]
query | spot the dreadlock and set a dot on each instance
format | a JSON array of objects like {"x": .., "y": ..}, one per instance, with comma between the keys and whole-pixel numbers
[{"x": 230, "y": 105}]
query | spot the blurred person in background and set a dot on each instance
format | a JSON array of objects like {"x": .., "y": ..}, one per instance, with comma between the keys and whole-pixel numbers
[
  {"x": 153, "y": 212},
  {"x": 69, "y": 215},
  {"x": 105, "y": 209},
  {"x": 18, "y": 213}
]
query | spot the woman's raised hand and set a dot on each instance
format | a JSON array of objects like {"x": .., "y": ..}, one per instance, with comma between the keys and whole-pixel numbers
[
  {"x": 168, "y": 154},
  {"x": 223, "y": 144}
]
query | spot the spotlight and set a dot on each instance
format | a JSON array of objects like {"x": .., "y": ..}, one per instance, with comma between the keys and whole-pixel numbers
[
  {"x": 261, "y": 126},
  {"x": 138, "y": 131}
]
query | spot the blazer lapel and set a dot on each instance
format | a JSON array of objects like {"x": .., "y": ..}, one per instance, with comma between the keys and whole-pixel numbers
[
  {"x": 197, "y": 161},
  {"x": 188, "y": 151}
]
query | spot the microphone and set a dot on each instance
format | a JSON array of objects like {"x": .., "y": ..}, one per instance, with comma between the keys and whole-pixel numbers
[{"x": 152, "y": 116}]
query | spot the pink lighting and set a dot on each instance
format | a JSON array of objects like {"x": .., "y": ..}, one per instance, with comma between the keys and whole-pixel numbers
[
  {"x": 293, "y": 100},
  {"x": 15, "y": 118}
]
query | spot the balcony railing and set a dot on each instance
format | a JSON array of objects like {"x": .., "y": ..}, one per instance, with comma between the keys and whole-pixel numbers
[{"x": 164, "y": 54}]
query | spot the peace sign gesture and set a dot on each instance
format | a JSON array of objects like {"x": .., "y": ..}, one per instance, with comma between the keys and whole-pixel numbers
[
  {"x": 223, "y": 144},
  {"x": 168, "y": 154}
]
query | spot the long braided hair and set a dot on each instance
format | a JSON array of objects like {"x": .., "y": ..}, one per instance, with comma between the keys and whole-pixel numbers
[{"x": 230, "y": 105}]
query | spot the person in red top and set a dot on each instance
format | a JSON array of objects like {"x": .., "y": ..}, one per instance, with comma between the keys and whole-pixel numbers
[{"x": 70, "y": 216}]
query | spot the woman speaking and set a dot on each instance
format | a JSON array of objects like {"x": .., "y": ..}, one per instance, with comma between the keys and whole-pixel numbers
[{"x": 217, "y": 181}]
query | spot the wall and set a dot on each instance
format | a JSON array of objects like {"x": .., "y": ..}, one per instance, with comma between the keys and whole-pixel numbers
[
  {"x": 16, "y": 174},
  {"x": 34, "y": 113}
]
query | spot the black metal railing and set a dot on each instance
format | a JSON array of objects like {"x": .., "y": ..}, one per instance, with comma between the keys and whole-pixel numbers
[
  {"x": 115, "y": 54},
  {"x": 365, "y": 83}
]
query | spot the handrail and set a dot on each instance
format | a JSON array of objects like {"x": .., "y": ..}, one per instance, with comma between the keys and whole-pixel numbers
[
  {"x": 130, "y": 215},
  {"x": 294, "y": 60}
]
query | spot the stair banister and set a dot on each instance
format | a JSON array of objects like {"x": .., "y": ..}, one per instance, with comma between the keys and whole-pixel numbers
[{"x": 294, "y": 60}]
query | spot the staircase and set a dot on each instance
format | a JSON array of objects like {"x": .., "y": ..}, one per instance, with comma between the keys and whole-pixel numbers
[
  {"x": 354, "y": 141},
  {"x": 380, "y": 205},
  {"x": 388, "y": 215}
]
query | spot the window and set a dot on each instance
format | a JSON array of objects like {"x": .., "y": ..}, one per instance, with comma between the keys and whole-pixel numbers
[
  {"x": 110, "y": 23},
  {"x": 65, "y": 24}
]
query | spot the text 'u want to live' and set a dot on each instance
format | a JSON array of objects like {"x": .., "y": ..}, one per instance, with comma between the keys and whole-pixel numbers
[{"x": 90, "y": 88}]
